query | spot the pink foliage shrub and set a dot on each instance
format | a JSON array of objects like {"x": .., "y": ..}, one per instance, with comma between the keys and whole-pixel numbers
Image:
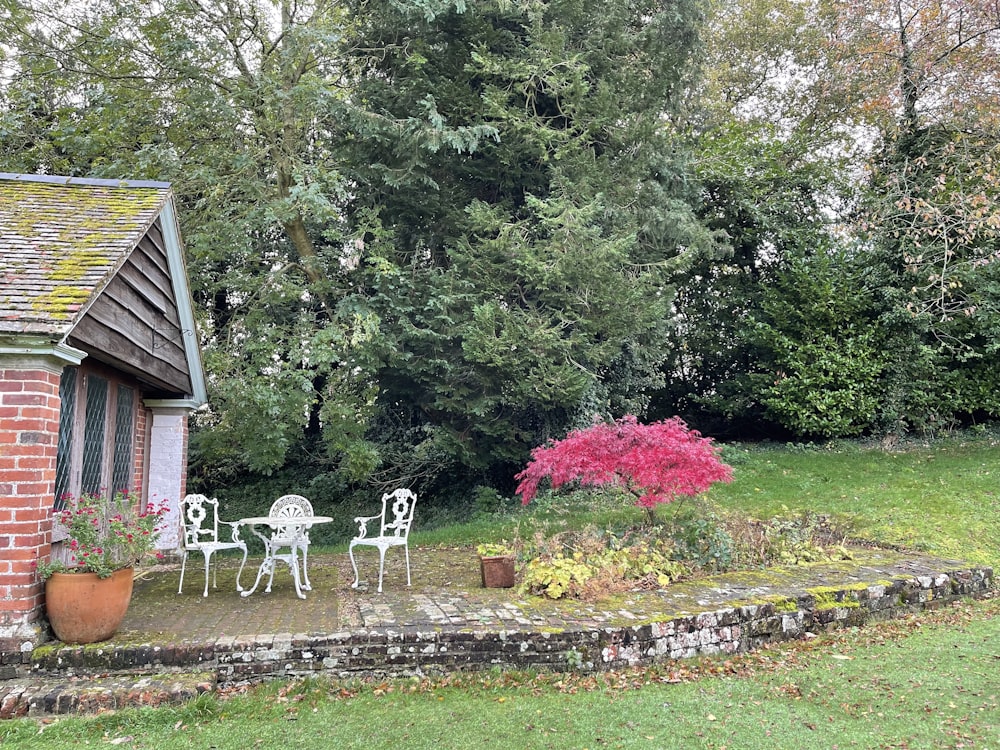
[{"x": 657, "y": 462}]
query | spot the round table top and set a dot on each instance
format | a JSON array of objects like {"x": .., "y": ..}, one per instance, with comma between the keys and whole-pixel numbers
[{"x": 285, "y": 520}]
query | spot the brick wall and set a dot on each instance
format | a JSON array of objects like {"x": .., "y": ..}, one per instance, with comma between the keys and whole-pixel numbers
[
  {"x": 141, "y": 440},
  {"x": 167, "y": 466},
  {"x": 29, "y": 429}
]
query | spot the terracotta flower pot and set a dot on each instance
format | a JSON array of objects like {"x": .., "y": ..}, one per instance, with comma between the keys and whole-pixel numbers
[
  {"x": 497, "y": 572},
  {"x": 83, "y": 608}
]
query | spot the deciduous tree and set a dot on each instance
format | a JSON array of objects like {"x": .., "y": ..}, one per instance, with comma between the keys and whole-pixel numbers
[{"x": 915, "y": 63}]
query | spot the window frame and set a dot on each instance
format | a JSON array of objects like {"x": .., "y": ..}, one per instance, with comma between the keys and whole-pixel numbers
[{"x": 71, "y": 447}]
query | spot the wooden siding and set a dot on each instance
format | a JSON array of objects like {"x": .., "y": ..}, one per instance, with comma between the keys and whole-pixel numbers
[{"x": 134, "y": 324}]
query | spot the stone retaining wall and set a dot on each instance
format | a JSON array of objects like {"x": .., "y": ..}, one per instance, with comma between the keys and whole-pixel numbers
[{"x": 413, "y": 651}]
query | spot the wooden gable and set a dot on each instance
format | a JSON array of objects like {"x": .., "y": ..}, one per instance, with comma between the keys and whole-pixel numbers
[{"x": 134, "y": 324}]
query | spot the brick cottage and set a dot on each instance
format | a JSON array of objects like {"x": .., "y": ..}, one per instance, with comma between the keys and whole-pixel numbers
[{"x": 99, "y": 364}]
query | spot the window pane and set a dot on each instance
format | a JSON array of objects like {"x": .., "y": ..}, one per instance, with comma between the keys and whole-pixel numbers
[
  {"x": 93, "y": 434},
  {"x": 67, "y": 415},
  {"x": 122, "y": 477}
]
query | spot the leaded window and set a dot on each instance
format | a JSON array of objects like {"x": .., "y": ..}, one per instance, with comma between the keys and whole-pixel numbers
[
  {"x": 96, "y": 433},
  {"x": 121, "y": 475},
  {"x": 67, "y": 415},
  {"x": 93, "y": 436}
]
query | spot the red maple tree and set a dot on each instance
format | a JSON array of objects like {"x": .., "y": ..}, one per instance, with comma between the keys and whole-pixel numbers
[{"x": 657, "y": 462}]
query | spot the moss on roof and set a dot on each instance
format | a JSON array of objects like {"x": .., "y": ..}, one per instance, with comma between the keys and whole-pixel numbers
[{"x": 61, "y": 241}]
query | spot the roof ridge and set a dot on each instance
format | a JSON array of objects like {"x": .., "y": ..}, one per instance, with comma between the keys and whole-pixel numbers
[{"x": 96, "y": 181}]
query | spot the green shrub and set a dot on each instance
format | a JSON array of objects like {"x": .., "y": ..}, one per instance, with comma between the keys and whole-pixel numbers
[
  {"x": 556, "y": 576},
  {"x": 704, "y": 543}
]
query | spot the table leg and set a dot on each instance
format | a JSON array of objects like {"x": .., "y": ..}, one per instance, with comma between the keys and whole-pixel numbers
[
  {"x": 306, "y": 586},
  {"x": 293, "y": 565},
  {"x": 271, "y": 557},
  {"x": 265, "y": 567}
]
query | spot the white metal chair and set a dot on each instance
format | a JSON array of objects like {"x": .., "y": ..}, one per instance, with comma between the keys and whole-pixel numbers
[
  {"x": 288, "y": 534},
  {"x": 200, "y": 517},
  {"x": 393, "y": 530}
]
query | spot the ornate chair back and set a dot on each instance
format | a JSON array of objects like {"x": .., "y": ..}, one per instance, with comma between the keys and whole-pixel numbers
[
  {"x": 200, "y": 516},
  {"x": 290, "y": 507},
  {"x": 397, "y": 514}
]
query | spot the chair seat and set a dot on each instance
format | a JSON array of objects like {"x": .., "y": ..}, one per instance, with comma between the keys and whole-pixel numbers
[
  {"x": 220, "y": 546},
  {"x": 380, "y": 541}
]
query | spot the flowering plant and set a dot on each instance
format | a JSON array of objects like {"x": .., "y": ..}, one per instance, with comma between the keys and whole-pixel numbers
[{"x": 105, "y": 534}]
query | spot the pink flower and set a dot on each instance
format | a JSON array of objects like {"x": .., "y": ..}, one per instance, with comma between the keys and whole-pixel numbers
[{"x": 105, "y": 533}]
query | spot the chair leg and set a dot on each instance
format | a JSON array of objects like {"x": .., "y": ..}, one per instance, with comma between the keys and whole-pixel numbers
[
  {"x": 381, "y": 566},
  {"x": 208, "y": 562},
  {"x": 406, "y": 550},
  {"x": 238, "y": 586},
  {"x": 184, "y": 559},
  {"x": 350, "y": 553}
]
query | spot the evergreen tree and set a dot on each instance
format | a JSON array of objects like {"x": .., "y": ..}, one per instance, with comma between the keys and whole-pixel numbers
[{"x": 525, "y": 285}]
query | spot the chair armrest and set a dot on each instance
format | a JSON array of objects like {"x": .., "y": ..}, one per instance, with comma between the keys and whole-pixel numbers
[
  {"x": 235, "y": 525},
  {"x": 362, "y": 522}
]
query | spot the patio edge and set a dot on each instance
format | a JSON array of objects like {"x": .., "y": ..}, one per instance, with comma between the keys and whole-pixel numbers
[{"x": 151, "y": 674}]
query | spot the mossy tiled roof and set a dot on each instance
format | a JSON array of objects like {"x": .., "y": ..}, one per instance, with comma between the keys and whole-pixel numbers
[{"x": 61, "y": 241}]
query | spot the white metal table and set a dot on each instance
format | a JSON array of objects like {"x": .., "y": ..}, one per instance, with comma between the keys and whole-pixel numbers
[{"x": 285, "y": 526}]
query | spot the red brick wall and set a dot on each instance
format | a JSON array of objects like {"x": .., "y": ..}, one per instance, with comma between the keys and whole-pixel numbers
[
  {"x": 29, "y": 429},
  {"x": 141, "y": 439}
]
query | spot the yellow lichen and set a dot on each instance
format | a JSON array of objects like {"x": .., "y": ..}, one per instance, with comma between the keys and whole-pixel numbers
[
  {"x": 80, "y": 227},
  {"x": 61, "y": 301},
  {"x": 836, "y": 597},
  {"x": 75, "y": 265}
]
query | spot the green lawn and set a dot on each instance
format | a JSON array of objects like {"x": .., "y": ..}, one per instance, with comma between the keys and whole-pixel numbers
[{"x": 942, "y": 498}]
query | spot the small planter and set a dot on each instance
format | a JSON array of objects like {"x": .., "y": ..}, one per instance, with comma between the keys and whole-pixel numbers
[
  {"x": 497, "y": 571},
  {"x": 83, "y": 608}
]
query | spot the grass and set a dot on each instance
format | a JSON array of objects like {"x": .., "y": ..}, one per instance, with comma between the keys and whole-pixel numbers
[
  {"x": 941, "y": 497},
  {"x": 926, "y": 682}
]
